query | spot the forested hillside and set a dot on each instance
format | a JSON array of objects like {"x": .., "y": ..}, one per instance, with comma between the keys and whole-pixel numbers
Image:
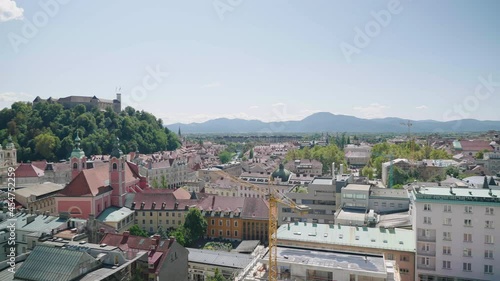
[{"x": 47, "y": 131}]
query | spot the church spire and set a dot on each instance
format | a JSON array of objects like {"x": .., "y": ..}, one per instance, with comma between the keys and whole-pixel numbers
[
  {"x": 117, "y": 153},
  {"x": 77, "y": 151}
]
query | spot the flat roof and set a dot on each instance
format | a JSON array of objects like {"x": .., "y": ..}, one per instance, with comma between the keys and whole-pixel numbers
[
  {"x": 331, "y": 260},
  {"x": 360, "y": 187},
  {"x": 114, "y": 214},
  {"x": 460, "y": 195},
  {"x": 219, "y": 258},
  {"x": 396, "y": 239},
  {"x": 322, "y": 181}
]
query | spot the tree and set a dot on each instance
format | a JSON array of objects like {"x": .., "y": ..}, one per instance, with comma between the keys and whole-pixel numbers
[
  {"x": 137, "y": 231},
  {"x": 217, "y": 276},
  {"x": 46, "y": 144},
  {"x": 485, "y": 183},
  {"x": 480, "y": 154},
  {"x": 224, "y": 156},
  {"x": 452, "y": 171},
  {"x": 155, "y": 183},
  {"x": 195, "y": 224},
  {"x": 164, "y": 181},
  {"x": 251, "y": 154},
  {"x": 182, "y": 236},
  {"x": 367, "y": 172},
  {"x": 163, "y": 234}
]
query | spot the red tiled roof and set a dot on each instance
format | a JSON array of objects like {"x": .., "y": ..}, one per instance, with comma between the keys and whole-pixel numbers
[
  {"x": 255, "y": 208},
  {"x": 28, "y": 170},
  {"x": 475, "y": 145}
]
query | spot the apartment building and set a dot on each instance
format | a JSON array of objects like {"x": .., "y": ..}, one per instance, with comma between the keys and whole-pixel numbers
[{"x": 455, "y": 233}]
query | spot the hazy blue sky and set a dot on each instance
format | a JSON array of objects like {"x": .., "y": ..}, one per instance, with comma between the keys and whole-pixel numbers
[{"x": 258, "y": 59}]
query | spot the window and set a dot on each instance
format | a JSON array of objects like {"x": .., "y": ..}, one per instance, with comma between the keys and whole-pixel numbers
[
  {"x": 468, "y": 209},
  {"x": 167, "y": 222},
  {"x": 150, "y": 221},
  {"x": 213, "y": 222},
  {"x": 404, "y": 258},
  {"x": 400, "y": 205},
  {"x": 150, "y": 214},
  {"x": 404, "y": 271},
  {"x": 390, "y": 257},
  {"x": 427, "y": 207},
  {"x": 467, "y": 237},
  {"x": 220, "y": 222},
  {"x": 228, "y": 233},
  {"x": 143, "y": 221},
  {"x": 159, "y": 214},
  {"x": 228, "y": 224},
  {"x": 179, "y": 215},
  {"x": 391, "y": 205},
  {"x": 467, "y": 252},
  {"x": 447, "y": 208},
  {"x": 489, "y": 211},
  {"x": 213, "y": 231},
  {"x": 166, "y": 214},
  {"x": 375, "y": 204},
  {"x": 446, "y": 250},
  {"x": 447, "y": 221},
  {"x": 424, "y": 260},
  {"x": 468, "y": 222},
  {"x": 235, "y": 223},
  {"x": 446, "y": 264},
  {"x": 143, "y": 214},
  {"x": 159, "y": 221},
  {"x": 489, "y": 224},
  {"x": 384, "y": 204},
  {"x": 489, "y": 239},
  {"x": 236, "y": 233},
  {"x": 220, "y": 233},
  {"x": 115, "y": 166},
  {"x": 427, "y": 220},
  {"x": 447, "y": 235},
  {"x": 488, "y": 254},
  {"x": 488, "y": 269},
  {"x": 467, "y": 266},
  {"x": 425, "y": 247}
]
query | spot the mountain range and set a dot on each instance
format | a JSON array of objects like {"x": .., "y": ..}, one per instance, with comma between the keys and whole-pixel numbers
[{"x": 329, "y": 122}]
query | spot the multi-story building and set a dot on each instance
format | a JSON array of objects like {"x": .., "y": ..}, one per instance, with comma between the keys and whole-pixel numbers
[
  {"x": 305, "y": 167},
  {"x": 456, "y": 233},
  {"x": 357, "y": 155},
  {"x": 491, "y": 162},
  {"x": 203, "y": 263},
  {"x": 394, "y": 244},
  {"x": 319, "y": 196},
  {"x": 170, "y": 172},
  {"x": 38, "y": 197}
]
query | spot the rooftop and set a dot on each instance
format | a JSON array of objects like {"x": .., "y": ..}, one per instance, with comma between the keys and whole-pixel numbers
[
  {"x": 458, "y": 195},
  {"x": 219, "y": 258},
  {"x": 379, "y": 238},
  {"x": 331, "y": 260},
  {"x": 358, "y": 187},
  {"x": 38, "y": 189},
  {"x": 322, "y": 181},
  {"x": 114, "y": 214}
]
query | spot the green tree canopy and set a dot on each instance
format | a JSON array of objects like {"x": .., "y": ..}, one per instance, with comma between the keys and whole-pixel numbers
[
  {"x": 225, "y": 156},
  {"x": 196, "y": 224},
  {"x": 137, "y": 231},
  {"x": 217, "y": 276}
]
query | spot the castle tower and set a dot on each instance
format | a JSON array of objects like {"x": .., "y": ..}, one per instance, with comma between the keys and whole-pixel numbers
[
  {"x": 117, "y": 175},
  {"x": 77, "y": 158}
]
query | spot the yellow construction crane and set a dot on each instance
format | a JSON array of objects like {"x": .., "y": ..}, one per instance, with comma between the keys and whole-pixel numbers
[{"x": 274, "y": 197}]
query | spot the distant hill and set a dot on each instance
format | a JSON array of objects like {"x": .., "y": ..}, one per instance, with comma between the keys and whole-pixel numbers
[{"x": 328, "y": 122}]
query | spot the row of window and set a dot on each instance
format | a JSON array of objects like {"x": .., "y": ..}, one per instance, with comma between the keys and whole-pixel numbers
[
  {"x": 467, "y": 209},
  {"x": 384, "y": 205},
  {"x": 467, "y": 252},
  {"x": 467, "y": 266},
  {"x": 467, "y": 222},
  {"x": 488, "y": 239},
  {"x": 160, "y": 222},
  {"x": 228, "y": 223},
  {"x": 228, "y": 233},
  {"x": 179, "y": 215}
]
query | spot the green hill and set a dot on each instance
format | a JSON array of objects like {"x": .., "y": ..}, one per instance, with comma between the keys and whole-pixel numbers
[{"x": 47, "y": 131}]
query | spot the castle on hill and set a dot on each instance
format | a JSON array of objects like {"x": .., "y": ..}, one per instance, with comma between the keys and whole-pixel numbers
[{"x": 89, "y": 102}]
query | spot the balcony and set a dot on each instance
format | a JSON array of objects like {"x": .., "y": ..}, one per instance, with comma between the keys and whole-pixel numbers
[
  {"x": 430, "y": 253},
  {"x": 426, "y": 267},
  {"x": 426, "y": 238}
]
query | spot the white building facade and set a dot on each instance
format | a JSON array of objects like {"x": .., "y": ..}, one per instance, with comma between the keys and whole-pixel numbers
[{"x": 457, "y": 233}]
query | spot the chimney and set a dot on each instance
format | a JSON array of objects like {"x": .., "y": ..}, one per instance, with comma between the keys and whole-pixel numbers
[
  {"x": 333, "y": 170},
  {"x": 119, "y": 97},
  {"x": 30, "y": 219},
  {"x": 341, "y": 171}
]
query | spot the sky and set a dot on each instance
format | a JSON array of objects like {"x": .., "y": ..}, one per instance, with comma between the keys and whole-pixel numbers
[{"x": 191, "y": 61}]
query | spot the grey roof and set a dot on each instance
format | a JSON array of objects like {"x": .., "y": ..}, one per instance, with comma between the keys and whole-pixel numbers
[
  {"x": 219, "y": 258},
  {"x": 339, "y": 261},
  {"x": 114, "y": 214},
  {"x": 6, "y": 275},
  {"x": 360, "y": 187},
  {"x": 322, "y": 181},
  {"x": 247, "y": 246},
  {"x": 52, "y": 264}
]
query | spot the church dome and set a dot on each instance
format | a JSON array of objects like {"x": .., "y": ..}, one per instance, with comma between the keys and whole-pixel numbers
[{"x": 281, "y": 173}]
